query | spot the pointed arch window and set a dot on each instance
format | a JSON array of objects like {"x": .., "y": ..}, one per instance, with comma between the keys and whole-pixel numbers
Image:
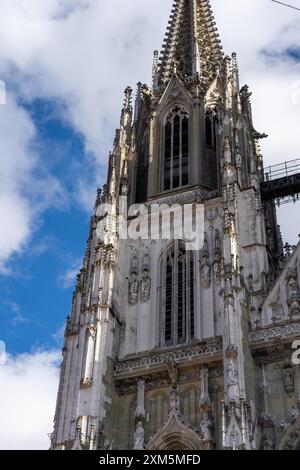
[
  {"x": 210, "y": 130},
  {"x": 142, "y": 169},
  {"x": 211, "y": 123},
  {"x": 176, "y": 149},
  {"x": 177, "y": 307}
]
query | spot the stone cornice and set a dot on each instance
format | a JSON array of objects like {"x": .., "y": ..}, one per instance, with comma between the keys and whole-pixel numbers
[
  {"x": 201, "y": 352},
  {"x": 183, "y": 197},
  {"x": 274, "y": 333}
]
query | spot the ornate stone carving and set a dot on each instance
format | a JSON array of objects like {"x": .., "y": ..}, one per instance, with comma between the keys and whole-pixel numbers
[
  {"x": 288, "y": 379},
  {"x": 146, "y": 362},
  {"x": 133, "y": 286},
  {"x": 139, "y": 436},
  {"x": 106, "y": 255},
  {"x": 186, "y": 197},
  {"x": 232, "y": 373},
  {"x": 140, "y": 408},
  {"x": 172, "y": 372},
  {"x": 293, "y": 414},
  {"x": 293, "y": 294},
  {"x": 206, "y": 428},
  {"x": 267, "y": 442},
  {"x": 174, "y": 405},
  {"x": 232, "y": 351},
  {"x": 92, "y": 330},
  {"x": 205, "y": 401},
  {"x": 292, "y": 283},
  {"x": 275, "y": 332},
  {"x": 146, "y": 278},
  {"x": 217, "y": 256},
  {"x": 133, "y": 290},
  {"x": 232, "y": 380},
  {"x": 77, "y": 445},
  {"x": 145, "y": 288},
  {"x": 205, "y": 268},
  {"x": 107, "y": 445},
  {"x": 86, "y": 382},
  {"x": 266, "y": 419}
]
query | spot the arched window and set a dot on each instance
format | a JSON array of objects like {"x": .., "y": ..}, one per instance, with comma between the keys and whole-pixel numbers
[
  {"x": 190, "y": 405},
  {"x": 211, "y": 149},
  {"x": 176, "y": 149},
  {"x": 142, "y": 170},
  {"x": 157, "y": 409},
  {"x": 210, "y": 131},
  {"x": 177, "y": 295}
]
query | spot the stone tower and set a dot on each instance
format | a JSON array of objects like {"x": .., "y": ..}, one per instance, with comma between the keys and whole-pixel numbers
[{"x": 170, "y": 348}]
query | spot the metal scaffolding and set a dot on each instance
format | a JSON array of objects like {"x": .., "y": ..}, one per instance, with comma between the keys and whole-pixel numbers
[{"x": 282, "y": 182}]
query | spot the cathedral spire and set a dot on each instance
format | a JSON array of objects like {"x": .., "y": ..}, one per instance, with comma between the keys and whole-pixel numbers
[{"x": 191, "y": 44}]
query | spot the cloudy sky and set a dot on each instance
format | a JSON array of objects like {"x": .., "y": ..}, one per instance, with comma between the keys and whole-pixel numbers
[{"x": 65, "y": 64}]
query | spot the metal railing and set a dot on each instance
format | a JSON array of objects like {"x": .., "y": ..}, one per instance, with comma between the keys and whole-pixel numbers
[
  {"x": 282, "y": 170},
  {"x": 281, "y": 183}
]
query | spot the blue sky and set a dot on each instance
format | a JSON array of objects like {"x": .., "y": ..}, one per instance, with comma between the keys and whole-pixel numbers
[
  {"x": 36, "y": 296},
  {"x": 66, "y": 64}
]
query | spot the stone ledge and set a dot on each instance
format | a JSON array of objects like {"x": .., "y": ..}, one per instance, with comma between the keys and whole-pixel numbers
[
  {"x": 205, "y": 350},
  {"x": 274, "y": 332}
]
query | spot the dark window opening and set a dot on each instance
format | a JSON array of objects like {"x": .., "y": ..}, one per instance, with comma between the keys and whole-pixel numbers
[
  {"x": 176, "y": 157},
  {"x": 179, "y": 296}
]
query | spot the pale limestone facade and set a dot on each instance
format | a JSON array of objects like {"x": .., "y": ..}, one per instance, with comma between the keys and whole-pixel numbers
[{"x": 141, "y": 368}]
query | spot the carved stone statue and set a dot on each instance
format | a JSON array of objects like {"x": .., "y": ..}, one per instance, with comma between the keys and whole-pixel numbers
[
  {"x": 145, "y": 287},
  {"x": 134, "y": 263},
  {"x": 294, "y": 413},
  {"x": 174, "y": 402},
  {"x": 267, "y": 442},
  {"x": 133, "y": 290},
  {"x": 205, "y": 275},
  {"x": 232, "y": 373},
  {"x": 173, "y": 372},
  {"x": 227, "y": 151},
  {"x": 139, "y": 436},
  {"x": 205, "y": 268},
  {"x": 217, "y": 244},
  {"x": 293, "y": 294},
  {"x": 206, "y": 427},
  {"x": 292, "y": 284},
  {"x": 289, "y": 385},
  {"x": 107, "y": 444}
]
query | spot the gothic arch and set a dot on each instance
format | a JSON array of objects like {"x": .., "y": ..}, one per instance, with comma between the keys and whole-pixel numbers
[
  {"x": 175, "y": 435},
  {"x": 142, "y": 167},
  {"x": 157, "y": 407},
  {"x": 176, "y": 307},
  {"x": 290, "y": 438},
  {"x": 131, "y": 422},
  {"x": 176, "y": 153},
  {"x": 190, "y": 396}
]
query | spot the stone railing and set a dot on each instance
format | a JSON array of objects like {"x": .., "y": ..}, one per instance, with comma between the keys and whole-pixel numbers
[{"x": 149, "y": 361}]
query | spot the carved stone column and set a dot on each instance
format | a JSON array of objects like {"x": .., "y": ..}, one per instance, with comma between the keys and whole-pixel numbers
[{"x": 87, "y": 376}]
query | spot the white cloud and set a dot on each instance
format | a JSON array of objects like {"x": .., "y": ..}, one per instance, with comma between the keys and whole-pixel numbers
[
  {"x": 67, "y": 278},
  {"x": 15, "y": 312},
  {"x": 26, "y": 188},
  {"x": 27, "y": 402}
]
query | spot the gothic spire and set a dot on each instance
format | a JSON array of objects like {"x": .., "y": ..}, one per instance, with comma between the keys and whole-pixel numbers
[{"x": 192, "y": 44}]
